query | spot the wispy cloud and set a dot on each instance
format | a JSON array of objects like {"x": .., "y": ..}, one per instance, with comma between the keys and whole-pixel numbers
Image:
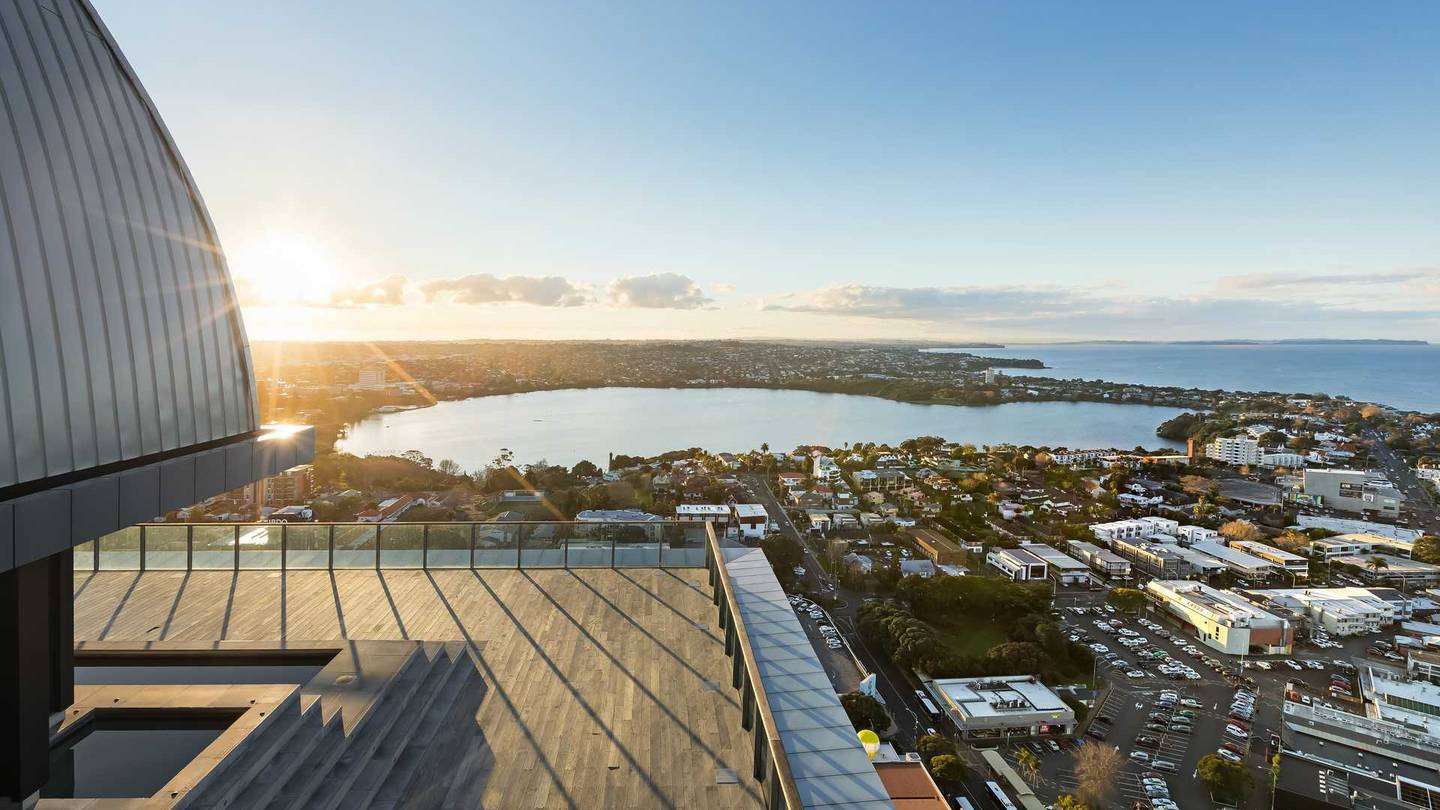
[
  {"x": 658, "y": 291},
  {"x": 388, "y": 291},
  {"x": 484, "y": 288},
  {"x": 1291, "y": 281}
]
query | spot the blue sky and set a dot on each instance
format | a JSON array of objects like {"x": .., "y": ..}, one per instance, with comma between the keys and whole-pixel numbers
[{"x": 1019, "y": 171}]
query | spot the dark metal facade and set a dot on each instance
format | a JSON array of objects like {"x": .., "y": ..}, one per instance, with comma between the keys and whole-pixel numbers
[{"x": 120, "y": 338}]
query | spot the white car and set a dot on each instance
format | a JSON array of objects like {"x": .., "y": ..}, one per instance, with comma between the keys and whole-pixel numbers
[
  {"x": 1293, "y": 665},
  {"x": 1313, "y": 664},
  {"x": 1135, "y": 673},
  {"x": 1139, "y": 756}
]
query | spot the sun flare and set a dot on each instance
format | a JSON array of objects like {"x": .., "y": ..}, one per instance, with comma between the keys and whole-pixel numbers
[{"x": 284, "y": 268}]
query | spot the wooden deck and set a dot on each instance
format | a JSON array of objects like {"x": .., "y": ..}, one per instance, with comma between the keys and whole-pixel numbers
[{"x": 601, "y": 689}]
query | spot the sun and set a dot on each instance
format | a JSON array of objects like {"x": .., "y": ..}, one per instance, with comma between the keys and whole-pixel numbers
[{"x": 283, "y": 268}]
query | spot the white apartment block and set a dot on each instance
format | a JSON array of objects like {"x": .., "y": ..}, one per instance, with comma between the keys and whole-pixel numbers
[
  {"x": 1134, "y": 529},
  {"x": 1283, "y": 460},
  {"x": 1234, "y": 450}
]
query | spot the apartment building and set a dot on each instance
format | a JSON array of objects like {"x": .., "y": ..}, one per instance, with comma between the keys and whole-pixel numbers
[
  {"x": 1153, "y": 559},
  {"x": 826, "y": 470},
  {"x": 1223, "y": 620},
  {"x": 1108, "y": 563},
  {"x": 1235, "y": 450}
]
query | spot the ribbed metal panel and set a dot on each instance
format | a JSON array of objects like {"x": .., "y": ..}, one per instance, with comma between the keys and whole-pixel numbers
[{"x": 120, "y": 337}]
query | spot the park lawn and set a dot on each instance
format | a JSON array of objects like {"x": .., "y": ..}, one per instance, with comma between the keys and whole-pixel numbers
[{"x": 967, "y": 637}]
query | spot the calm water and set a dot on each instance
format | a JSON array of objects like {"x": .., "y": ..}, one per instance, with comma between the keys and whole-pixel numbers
[
  {"x": 1401, "y": 376},
  {"x": 563, "y": 427}
]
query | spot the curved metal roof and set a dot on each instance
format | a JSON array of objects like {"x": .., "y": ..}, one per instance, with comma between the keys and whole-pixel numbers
[{"x": 120, "y": 338}]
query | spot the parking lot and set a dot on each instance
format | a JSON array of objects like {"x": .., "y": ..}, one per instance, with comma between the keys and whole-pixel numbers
[{"x": 1191, "y": 721}]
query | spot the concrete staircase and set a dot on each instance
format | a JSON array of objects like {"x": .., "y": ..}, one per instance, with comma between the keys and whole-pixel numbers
[{"x": 377, "y": 747}]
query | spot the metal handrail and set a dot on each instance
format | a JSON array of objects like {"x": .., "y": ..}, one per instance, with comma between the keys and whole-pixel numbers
[{"x": 782, "y": 783}]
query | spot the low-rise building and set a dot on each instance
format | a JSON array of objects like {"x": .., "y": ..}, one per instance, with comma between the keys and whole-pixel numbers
[
  {"x": 1357, "y": 491},
  {"x": 1292, "y": 564},
  {"x": 1223, "y": 620},
  {"x": 1153, "y": 559},
  {"x": 1002, "y": 706},
  {"x": 1339, "y": 611},
  {"x": 1108, "y": 563},
  {"x": 936, "y": 547},
  {"x": 1389, "y": 569},
  {"x": 751, "y": 520},
  {"x": 917, "y": 568},
  {"x": 1018, "y": 564},
  {"x": 1063, "y": 568},
  {"x": 1245, "y": 566},
  {"x": 717, "y": 513}
]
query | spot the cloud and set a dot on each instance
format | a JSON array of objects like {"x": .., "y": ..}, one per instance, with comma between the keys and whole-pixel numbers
[
  {"x": 483, "y": 288},
  {"x": 1284, "y": 281},
  {"x": 658, "y": 291},
  {"x": 722, "y": 288},
  {"x": 387, "y": 291},
  {"x": 1072, "y": 313}
]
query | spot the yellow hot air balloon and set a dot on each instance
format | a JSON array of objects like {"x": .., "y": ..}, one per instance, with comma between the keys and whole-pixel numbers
[{"x": 871, "y": 741}]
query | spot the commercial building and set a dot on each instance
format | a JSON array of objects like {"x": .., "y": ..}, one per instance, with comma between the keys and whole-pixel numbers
[
  {"x": 1223, "y": 620},
  {"x": 1235, "y": 450},
  {"x": 1245, "y": 566},
  {"x": 1339, "y": 611},
  {"x": 1002, "y": 706},
  {"x": 1335, "y": 758},
  {"x": 1018, "y": 564},
  {"x": 712, "y": 513},
  {"x": 1391, "y": 570},
  {"x": 1201, "y": 565},
  {"x": 1356, "y": 526},
  {"x": 1293, "y": 565},
  {"x": 1356, "y": 491},
  {"x": 1343, "y": 545},
  {"x": 1108, "y": 563},
  {"x": 1063, "y": 568}
]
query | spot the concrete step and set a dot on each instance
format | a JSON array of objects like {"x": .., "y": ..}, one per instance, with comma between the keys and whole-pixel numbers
[
  {"x": 436, "y": 743},
  {"x": 373, "y": 752},
  {"x": 316, "y": 734},
  {"x": 389, "y": 704},
  {"x": 221, "y": 787}
]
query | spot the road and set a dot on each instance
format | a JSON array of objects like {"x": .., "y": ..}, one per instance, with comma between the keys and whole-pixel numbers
[{"x": 1417, "y": 497}]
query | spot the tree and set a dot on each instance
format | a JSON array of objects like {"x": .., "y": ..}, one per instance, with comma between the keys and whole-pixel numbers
[
  {"x": 865, "y": 712},
  {"x": 1027, "y": 763},
  {"x": 1376, "y": 563},
  {"x": 1292, "y": 541},
  {"x": 1129, "y": 600},
  {"x": 1015, "y": 657},
  {"x": 585, "y": 469},
  {"x": 1227, "y": 781},
  {"x": 933, "y": 745},
  {"x": 1096, "y": 767},
  {"x": 1427, "y": 549},
  {"x": 1242, "y": 530},
  {"x": 948, "y": 768},
  {"x": 1068, "y": 801}
]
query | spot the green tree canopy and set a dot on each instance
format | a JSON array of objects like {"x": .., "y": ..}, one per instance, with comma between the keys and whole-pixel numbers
[
  {"x": 1227, "y": 781},
  {"x": 865, "y": 712},
  {"x": 948, "y": 768}
]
